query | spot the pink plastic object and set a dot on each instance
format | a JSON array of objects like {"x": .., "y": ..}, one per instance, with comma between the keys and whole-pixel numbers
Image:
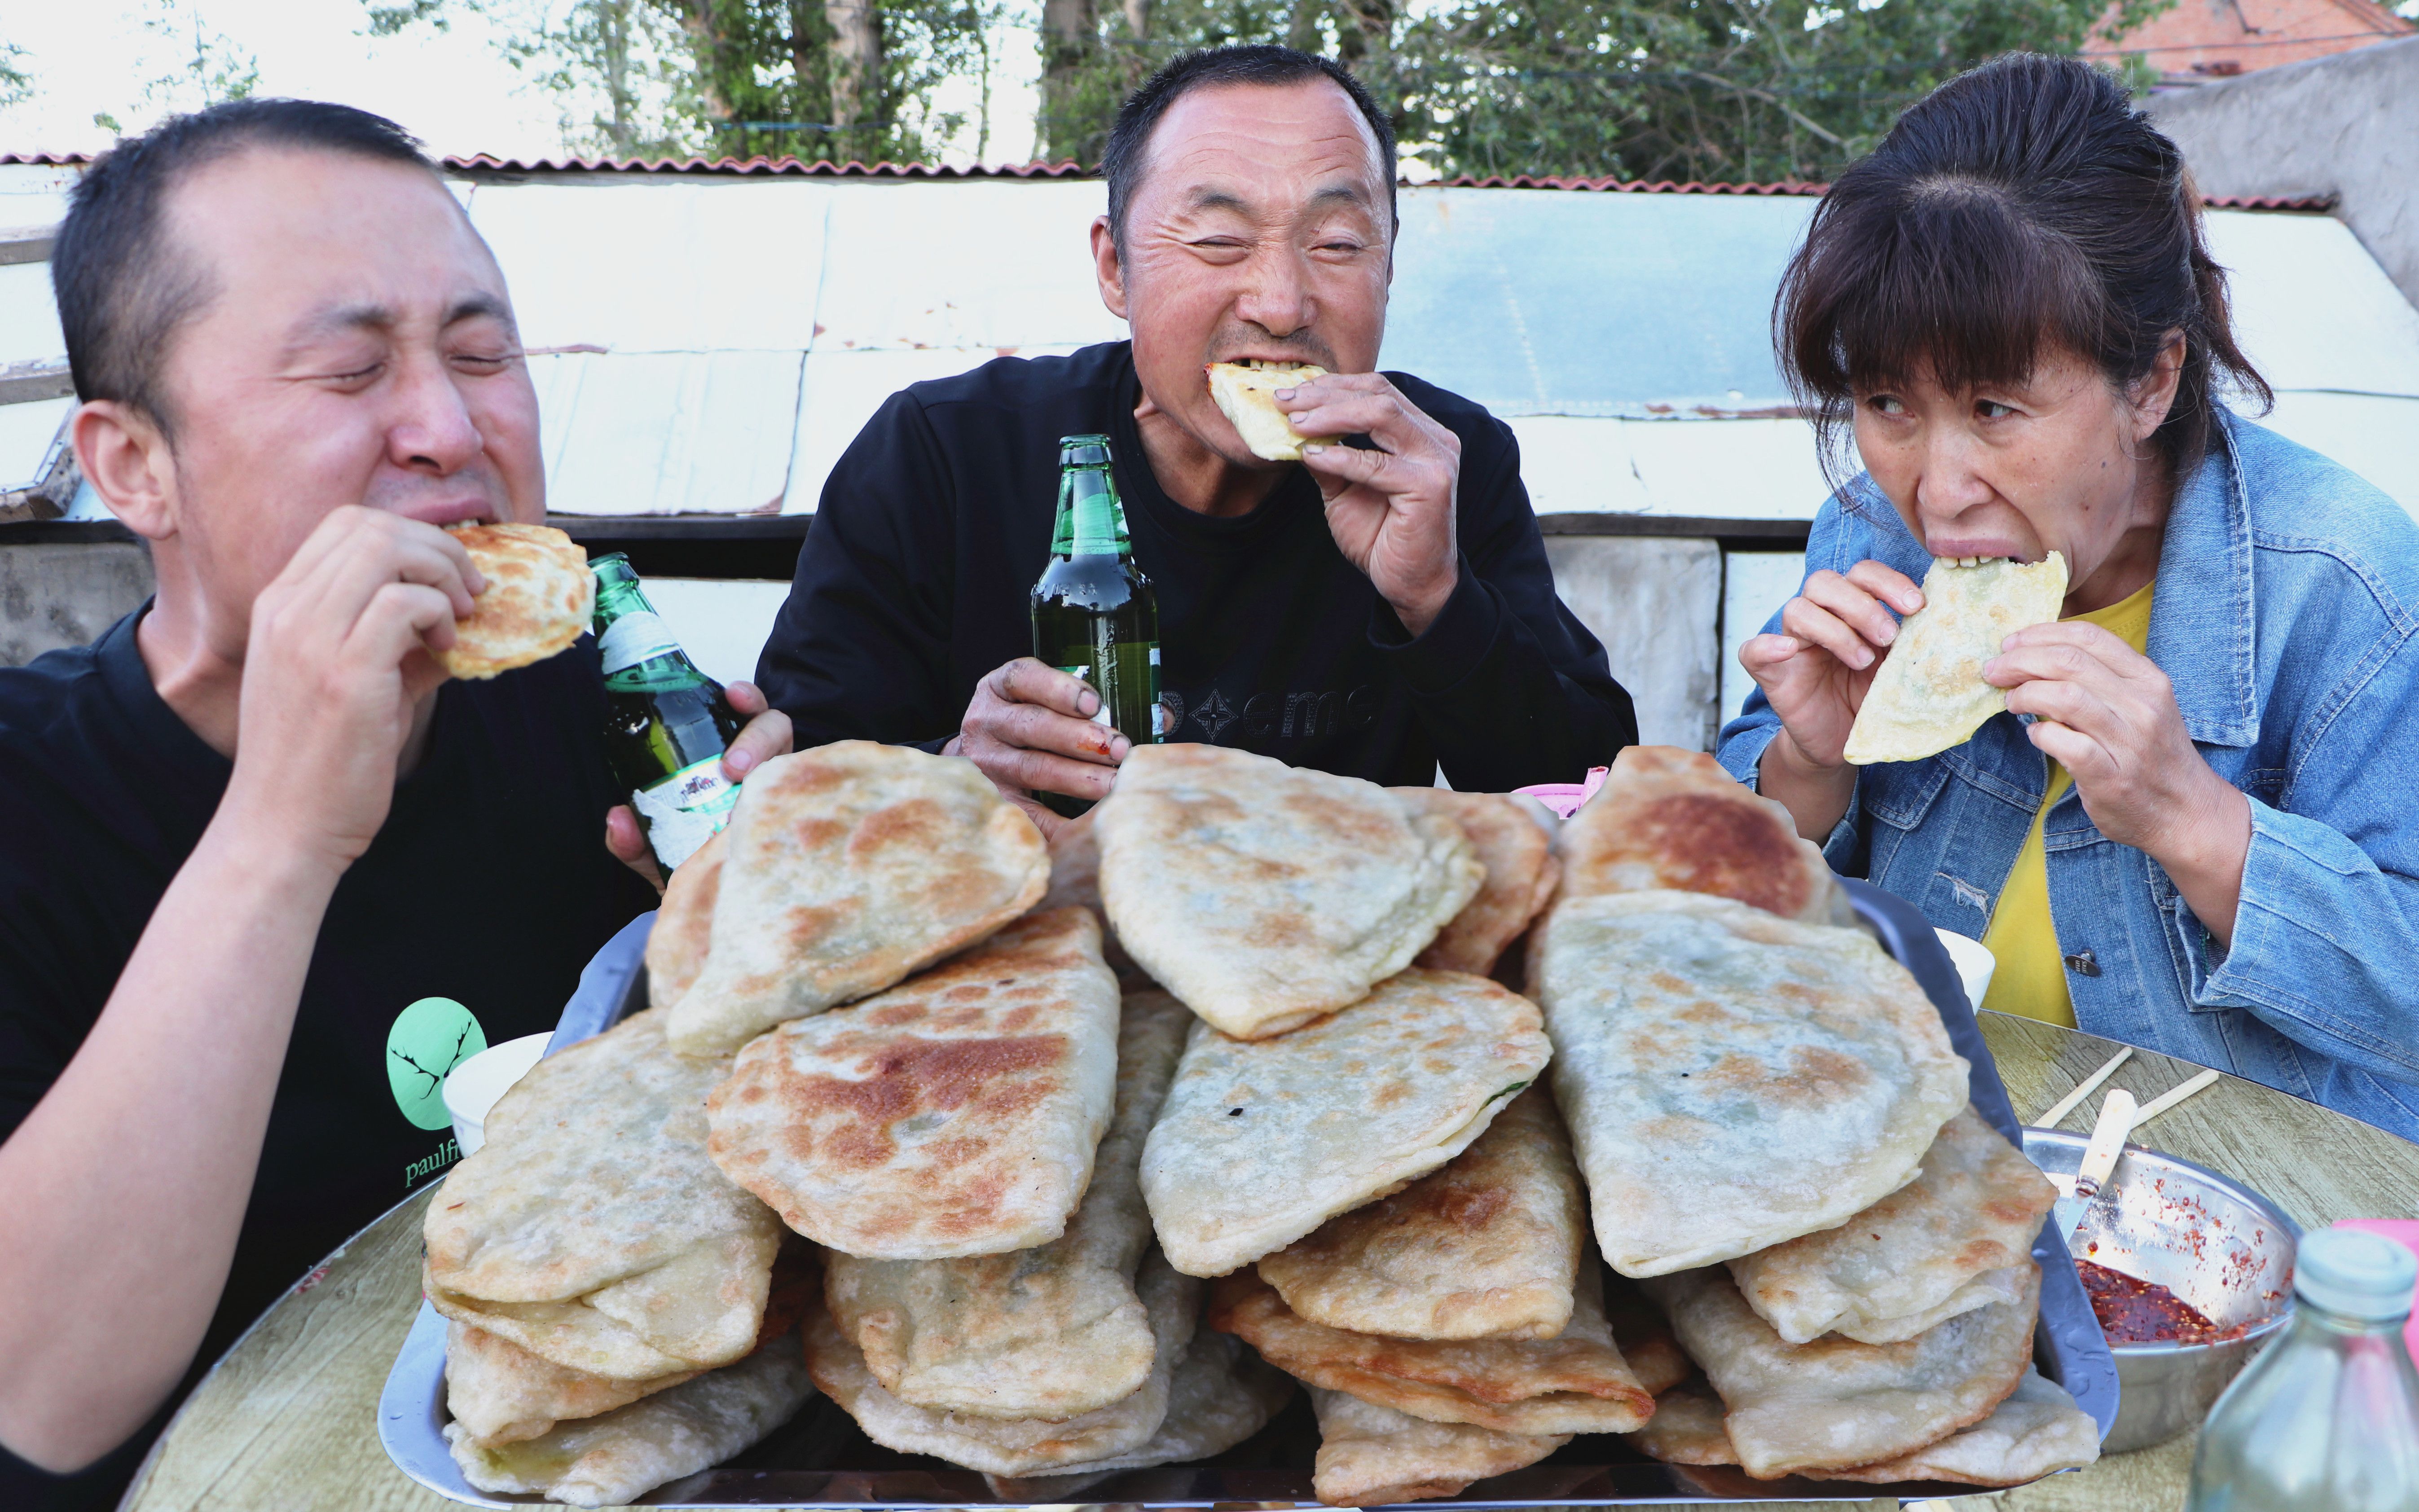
[
  {"x": 1567, "y": 798},
  {"x": 2405, "y": 1232}
]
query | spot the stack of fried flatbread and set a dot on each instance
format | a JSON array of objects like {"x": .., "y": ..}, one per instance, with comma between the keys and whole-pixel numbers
[
  {"x": 886, "y": 1021},
  {"x": 1775, "y": 1136}
]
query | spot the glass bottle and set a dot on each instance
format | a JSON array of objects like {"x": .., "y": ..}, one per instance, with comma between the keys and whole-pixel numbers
[
  {"x": 1095, "y": 615},
  {"x": 2329, "y": 1416},
  {"x": 666, "y": 724}
]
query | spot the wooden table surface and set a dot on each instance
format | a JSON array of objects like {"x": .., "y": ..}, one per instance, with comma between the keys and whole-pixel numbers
[{"x": 288, "y": 1419}]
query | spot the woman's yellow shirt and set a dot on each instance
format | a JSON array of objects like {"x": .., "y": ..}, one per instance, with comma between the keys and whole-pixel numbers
[{"x": 2030, "y": 978}]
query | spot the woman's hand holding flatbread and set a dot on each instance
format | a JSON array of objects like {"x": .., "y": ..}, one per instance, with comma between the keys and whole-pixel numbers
[
  {"x": 1816, "y": 671},
  {"x": 2108, "y": 715}
]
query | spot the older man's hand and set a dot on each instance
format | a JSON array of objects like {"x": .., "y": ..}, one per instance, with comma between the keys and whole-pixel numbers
[
  {"x": 1391, "y": 508},
  {"x": 1032, "y": 729}
]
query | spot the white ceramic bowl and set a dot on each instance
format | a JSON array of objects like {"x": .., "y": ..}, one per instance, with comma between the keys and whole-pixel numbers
[
  {"x": 1974, "y": 961},
  {"x": 471, "y": 1087}
]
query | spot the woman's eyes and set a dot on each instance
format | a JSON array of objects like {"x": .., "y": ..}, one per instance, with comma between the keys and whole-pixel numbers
[
  {"x": 1884, "y": 404},
  {"x": 1992, "y": 409}
]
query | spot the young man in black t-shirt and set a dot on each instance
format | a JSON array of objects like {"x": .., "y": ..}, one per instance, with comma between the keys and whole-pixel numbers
[
  {"x": 1382, "y": 608},
  {"x": 264, "y": 873}
]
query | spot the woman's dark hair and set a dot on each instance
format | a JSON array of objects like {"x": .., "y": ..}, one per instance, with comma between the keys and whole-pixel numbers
[{"x": 2018, "y": 209}]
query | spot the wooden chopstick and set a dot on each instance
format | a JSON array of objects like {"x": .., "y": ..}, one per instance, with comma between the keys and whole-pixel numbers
[
  {"x": 2064, "y": 1105},
  {"x": 2166, "y": 1099}
]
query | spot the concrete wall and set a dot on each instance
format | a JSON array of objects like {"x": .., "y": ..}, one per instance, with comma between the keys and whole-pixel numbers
[
  {"x": 2346, "y": 126},
  {"x": 66, "y": 595},
  {"x": 1655, "y": 603}
]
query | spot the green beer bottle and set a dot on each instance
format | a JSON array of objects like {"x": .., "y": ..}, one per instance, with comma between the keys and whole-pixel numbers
[
  {"x": 1094, "y": 614},
  {"x": 666, "y": 723}
]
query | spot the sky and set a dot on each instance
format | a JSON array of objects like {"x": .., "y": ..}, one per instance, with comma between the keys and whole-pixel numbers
[{"x": 453, "y": 88}]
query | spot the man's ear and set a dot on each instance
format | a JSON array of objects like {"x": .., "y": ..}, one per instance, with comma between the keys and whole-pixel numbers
[
  {"x": 1107, "y": 267},
  {"x": 125, "y": 457}
]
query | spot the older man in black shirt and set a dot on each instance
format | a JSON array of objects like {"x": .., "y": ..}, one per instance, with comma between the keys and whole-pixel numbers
[
  {"x": 264, "y": 873},
  {"x": 1382, "y": 608}
]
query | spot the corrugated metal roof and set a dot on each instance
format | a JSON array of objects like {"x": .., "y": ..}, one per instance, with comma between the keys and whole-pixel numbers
[{"x": 764, "y": 167}]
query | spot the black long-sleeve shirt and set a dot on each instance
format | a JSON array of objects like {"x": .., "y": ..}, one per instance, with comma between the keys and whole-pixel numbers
[{"x": 914, "y": 584}]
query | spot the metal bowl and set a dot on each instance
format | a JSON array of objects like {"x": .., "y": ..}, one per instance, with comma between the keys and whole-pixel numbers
[{"x": 2222, "y": 1247}]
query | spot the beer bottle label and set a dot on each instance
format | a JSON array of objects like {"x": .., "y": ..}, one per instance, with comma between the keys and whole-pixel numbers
[
  {"x": 687, "y": 809},
  {"x": 1081, "y": 670},
  {"x": 638, "y": 636}
]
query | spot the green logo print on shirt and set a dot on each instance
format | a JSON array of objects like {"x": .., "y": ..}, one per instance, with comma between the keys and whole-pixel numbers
[{"x": 429, "y": 1039}]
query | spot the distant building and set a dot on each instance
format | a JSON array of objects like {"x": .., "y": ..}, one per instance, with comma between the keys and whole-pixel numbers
[{"x": 2194, "y": 41}]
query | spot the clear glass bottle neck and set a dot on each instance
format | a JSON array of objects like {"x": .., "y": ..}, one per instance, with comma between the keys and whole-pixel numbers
[{"x": 2309, "y": 1313}]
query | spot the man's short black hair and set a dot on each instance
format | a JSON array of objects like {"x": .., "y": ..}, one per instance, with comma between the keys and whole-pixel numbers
[
  {"x": 1121, "y": 162},
  {"x": 122, "y": 288}
]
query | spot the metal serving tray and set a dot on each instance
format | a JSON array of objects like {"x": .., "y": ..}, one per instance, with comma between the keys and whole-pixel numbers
[{"x": 820, "y": 1459}]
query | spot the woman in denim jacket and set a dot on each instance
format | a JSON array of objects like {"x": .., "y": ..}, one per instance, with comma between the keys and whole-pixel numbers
[{"x": 2010, "y": 307}]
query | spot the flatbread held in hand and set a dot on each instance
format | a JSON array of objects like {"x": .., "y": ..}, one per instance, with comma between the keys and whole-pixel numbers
[
  {"x": 1953, "y": 1239},
  {"x": 592, "y": 1228},
  {"x": 1928, "y": 693},
  {"x": 1246, "y": 395},
  {"x": 1674, "y": 819},
  {"x": 957, "y": 1114},
  {"x": 1486, "y": 1247},
  {"x": 1373, "y": 1456},
  {"x": 848, "y": 867},
  {"x": 1266, "y": 896},
  {"x": 1834, "y": 1404},
  {"x": 539, "y": 598},
  {"x": 1260, "y": 1141},
  {"x": 1521, "y": 874},
  {"x": 615, "y": 1459},
  {"x": 1732, "y": 1079},
  {"x": 1044, "y": 1333}
]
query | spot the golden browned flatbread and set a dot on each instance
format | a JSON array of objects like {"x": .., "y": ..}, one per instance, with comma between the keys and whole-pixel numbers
[
  {"x": 848, "y": 867},
  {"x": 1264, "y": 895},
  {"x": 2034, "y": 1432},
  {"x": 1019, "y": 1446},
  {"x": 957, "y": 1114},
  {"x": 1521, "y": 874},
  {"x": 1668, "y": 818},
  {"x": 1929, "y": 694},
  {"x": 1260, "y": 1141},
  {"x": 1075, "y": 882},
  {"x": 1834, "y": 1404},
  {"x": 1686, "y": 1428},
  {"x": 1644, "y": 1335},
  {"x": 1575, "y": 1383},
  {"x": 683, "y": 928},
  {"x": 539, "y": 598},
  {"x": 592, "y": 1229},
  {"x": 1488, "y": 1247},
  {"x": 1953, "y": 1239},
  {"x": 621, "y": 1456},
  {"x": 1246, "y": 395},
  {"x": 501, "y": 1393},
  {"x": 2037, "y": 1430},
  {"x": 1373, "y": 1456},
  {"x": 1221, "y": 1394},
  {"x": 1732, "y": 1079},
  {"x": 1044, "y": 1333}
]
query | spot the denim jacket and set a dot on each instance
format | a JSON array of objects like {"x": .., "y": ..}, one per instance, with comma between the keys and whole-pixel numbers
[{"x": 2286, "y": 606}]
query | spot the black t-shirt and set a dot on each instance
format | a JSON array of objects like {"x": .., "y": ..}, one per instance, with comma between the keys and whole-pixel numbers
[
  {"x": 488, "y": 887},
  {"x": 936, "y": 522}
]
